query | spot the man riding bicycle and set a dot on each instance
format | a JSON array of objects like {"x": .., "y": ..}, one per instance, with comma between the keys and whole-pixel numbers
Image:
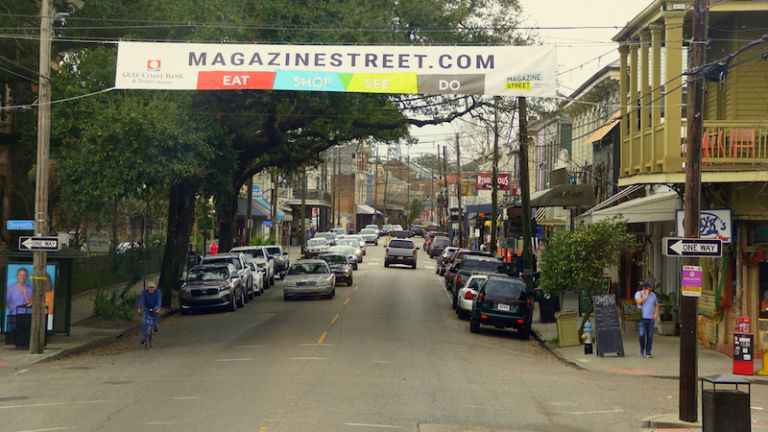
[{"x": 150, "y": 302}]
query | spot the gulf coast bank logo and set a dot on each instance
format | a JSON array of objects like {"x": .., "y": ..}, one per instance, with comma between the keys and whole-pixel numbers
[{"x": 153, "y": 65}]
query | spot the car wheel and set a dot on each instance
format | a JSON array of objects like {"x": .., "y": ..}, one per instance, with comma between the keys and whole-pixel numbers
[
  {"x": 386, "y": 264},
  {"x": 286, "y": 297},
  {"x": 455, "y": 302},
  {"x": 355, "y": 267},
  {"x": 241, "y": 303},
  {"x": 184, "y": 311},
  {"x": 413, "y": 266},
  {"x": 474, "y": 325},
  {"x": 525, "y": 332},
  {"x": 266, "y": 284},
  {"x": 232, "y": 303},
  {"x": 272, "y": 280}
]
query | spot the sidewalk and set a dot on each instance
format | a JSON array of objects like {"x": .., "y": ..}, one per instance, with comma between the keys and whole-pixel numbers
[
  {"x": 664, "y": 364},
  {"x": 84, "y": 336}
]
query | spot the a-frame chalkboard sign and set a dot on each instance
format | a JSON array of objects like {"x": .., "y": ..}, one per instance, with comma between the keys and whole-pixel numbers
[{"x": 607, "y": 332}]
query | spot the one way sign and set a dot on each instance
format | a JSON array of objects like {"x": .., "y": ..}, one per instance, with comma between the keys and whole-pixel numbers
[
  {"x": 674, "y": 246},
  {"x": 39, "y": 243}
]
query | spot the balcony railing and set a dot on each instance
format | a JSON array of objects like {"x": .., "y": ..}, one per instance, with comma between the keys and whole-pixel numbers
[{"x": 734, "y": 143}]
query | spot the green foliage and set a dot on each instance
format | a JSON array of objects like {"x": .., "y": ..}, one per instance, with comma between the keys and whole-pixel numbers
[
  {"x": 579, "y": 258},
  {"x": 414, "y": 210},
  {"x": 667, "y": 302},
  {"x": 262, "y": 241},
  {"x": 115, "y": 305}
]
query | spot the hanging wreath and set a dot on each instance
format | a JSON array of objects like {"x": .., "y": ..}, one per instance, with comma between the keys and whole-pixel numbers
[{"x": 754, "y": 258}]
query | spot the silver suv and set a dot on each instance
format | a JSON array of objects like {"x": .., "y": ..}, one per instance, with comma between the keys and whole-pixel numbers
[
  {"x": 241, "y": 265},
  {"x": 259, "y": 256}
]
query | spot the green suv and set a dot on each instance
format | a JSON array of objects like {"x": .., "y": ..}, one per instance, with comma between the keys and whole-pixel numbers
[{"x": 503, "y": 302}]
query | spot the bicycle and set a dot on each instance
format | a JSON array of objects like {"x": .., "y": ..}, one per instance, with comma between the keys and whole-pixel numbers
[{"x": 149, "y": 323}]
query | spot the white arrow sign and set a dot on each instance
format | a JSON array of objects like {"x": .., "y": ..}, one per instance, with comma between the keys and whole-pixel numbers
[
  {"x": 39, "y": 243},
  {"x": 692, "y": 247}
]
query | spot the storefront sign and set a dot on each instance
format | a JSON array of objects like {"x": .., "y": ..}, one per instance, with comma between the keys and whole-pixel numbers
[
  {"x": 489, "y": 70},
  {"x": 485, "y": 181},
  {"x": 713, "y": 224},
  {"x": 691, "y": 281}
]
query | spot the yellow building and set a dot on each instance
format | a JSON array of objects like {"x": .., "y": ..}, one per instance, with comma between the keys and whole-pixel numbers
[{"x": 653, "y": 60}]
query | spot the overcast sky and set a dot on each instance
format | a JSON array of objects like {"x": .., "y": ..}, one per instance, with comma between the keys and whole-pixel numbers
[{"x": 580, "y": 52}]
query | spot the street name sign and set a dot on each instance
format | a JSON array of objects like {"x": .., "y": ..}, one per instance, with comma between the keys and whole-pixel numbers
[
  {"x": 21, "y": 225},
  {"x": 689, "y": 247},
  {"x": 39, "y": 243}
]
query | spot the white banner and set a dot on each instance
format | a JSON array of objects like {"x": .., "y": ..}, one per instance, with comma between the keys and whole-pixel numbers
[{"x": 488, "y": 70}]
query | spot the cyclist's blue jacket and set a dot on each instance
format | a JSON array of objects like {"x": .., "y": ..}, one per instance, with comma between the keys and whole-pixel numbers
[{"x": 150, "y": 301}]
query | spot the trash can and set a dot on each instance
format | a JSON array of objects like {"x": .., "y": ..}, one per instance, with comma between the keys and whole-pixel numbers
[
  {"x": 725, "y": 410},
  {"x": 548, "y": 306},
  {"x": 23, "y": 329},
  {"x": 567, "y": 328}
]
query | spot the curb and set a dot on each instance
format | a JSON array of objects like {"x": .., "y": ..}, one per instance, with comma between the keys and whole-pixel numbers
[
  {"x": 101, "y": 341},
  {"x": 556, "y": 353}
]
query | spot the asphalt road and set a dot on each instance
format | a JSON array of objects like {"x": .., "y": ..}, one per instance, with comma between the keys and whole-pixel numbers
[{"x": 387, "y": 353}]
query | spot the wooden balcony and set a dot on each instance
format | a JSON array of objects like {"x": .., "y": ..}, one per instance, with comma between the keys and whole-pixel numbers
[{"x": 734, "y": 145}]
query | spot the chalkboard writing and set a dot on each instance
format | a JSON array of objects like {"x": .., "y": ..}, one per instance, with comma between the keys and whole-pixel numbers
[{"x": 607, "y": 331}]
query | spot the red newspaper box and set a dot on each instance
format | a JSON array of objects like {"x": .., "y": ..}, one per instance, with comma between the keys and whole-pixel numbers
[{"x": 743, "y": 348}]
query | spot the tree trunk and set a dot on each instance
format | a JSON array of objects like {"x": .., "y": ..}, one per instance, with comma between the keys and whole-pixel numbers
[
  {"x": 226, "y": 210},
  {"x": 180, "y": 220}
]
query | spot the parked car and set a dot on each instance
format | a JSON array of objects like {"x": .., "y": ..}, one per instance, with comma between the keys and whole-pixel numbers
[
  {"x": 348, "y": 251},
  {"x": 241, "y": 265},
  {"x": 339, "y": 265},
  {"x": 472, "y": 265},
  {"x": 400, "y": 233},
  {"x": 431, "y": 235},
  {"x": 355, "y": 245},
  {"x": 385, "y": 229},
  {"x": 258, "y": 278},
  {"x": 374, "y": 227},
  {"x": 211, "y": 285},
  {"x": 417, "y": 230},
  {"x": 444, "y": 259},
  {"x": 339, "y": 231},
  {"x": 502, "y": 302},
  {"x": 370, "y": 235},
  {"x": 437, "y": 245},
  {"x": 360, "y": 239},
  {"x": 328, "y": 235},
  {"x": 310, "y": 277},
  {"x": 263, "y": 261},
  {"x": 280, "y": 256},
  {"x": 315, "y": 246},
  {"x": 467, "y": 294},
  {"x": 450, "y": 271},
  {"x": 400, "y": 251}
]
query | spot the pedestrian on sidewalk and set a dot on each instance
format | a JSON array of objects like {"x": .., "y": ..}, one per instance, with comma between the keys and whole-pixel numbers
[
  {"x": 649, "y": 305},
  {"x": 150, "y": 301}
]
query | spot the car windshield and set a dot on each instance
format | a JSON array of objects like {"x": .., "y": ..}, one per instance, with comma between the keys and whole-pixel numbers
[
  {"x": 508, "y": 289},
  {"x": 308, "y": 268},
  {"x": 209, "y": 274},
  {"x": 442, "y": 241},
  {"x": 350, "y": 242},
  {"x": 368, "y": 231},
  {"x": 253, "y": 253},
  {"x": 475, "y": 283},
  {"x": 401, "y": 244},
  {"x": 231, "y": 260},
  {"x": 316, "y": 242},
  {"x": 324, "y": 235},
  {"x": 483, "y": 265},
  {"x": 274, "y": 250},
  {"x": 334, "y": 259}
]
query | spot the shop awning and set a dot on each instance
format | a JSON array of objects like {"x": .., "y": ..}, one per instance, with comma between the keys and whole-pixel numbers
[
  {"x": 280, "y": 215},
  {"x": 364, "y": 209},
  {"x": 257, "y": 210},
  {"x": 581, "y": 195},
  {"x": 659, "y": 207},
  {"x": 605, "y": 129}
]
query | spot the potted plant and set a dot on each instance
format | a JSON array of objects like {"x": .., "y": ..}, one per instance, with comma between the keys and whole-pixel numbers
[{"x": 667, "y": 323}]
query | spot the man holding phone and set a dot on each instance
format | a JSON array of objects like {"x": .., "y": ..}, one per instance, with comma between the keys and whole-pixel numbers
[{"x": 649, "y": 305}]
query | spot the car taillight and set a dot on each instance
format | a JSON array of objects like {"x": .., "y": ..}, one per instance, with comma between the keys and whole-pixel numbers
[
  {"x": 483, "y": 316},
  {"x": 458, "y": 279},
  {"x": 386, "y": 251},
  {"x": 480, "y": 297},
  {"x": 519, "y": 321},
  {"x": 414, "y": 252},
  {"x": 469, "y": 295},
  {"x": 527, "y": 302}
]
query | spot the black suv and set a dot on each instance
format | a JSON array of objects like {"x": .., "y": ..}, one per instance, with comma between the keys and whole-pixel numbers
[
  {"x": 472, "y": 265},
  {"x": 417, "y": 230},
  {"x": 503, "y": 302}
]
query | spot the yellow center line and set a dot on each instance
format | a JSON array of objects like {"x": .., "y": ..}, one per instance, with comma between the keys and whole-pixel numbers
[
  {"x": 263, "y": 429},
  {"x": 356, "y": 287},
  {"x": 333, "y": 321},
  {"x": 346, "y": 301},
  {"x": 322, "y": 338}
]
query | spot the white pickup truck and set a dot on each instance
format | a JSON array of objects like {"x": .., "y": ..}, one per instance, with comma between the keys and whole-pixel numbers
[{"x": 400, "y": 251}]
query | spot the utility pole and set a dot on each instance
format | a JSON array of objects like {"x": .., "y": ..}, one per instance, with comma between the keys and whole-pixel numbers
[
  {"x": 332, "y": 183},
  {"x": 440, "y": 219},
  {"x": 447, "y": 211},
  {"x": 494, "y": 174},
  {"x": 302, "y": 212},
  {"x": 408, "y": 186},
  {"x": 249, "y": 210},
  {"x": 376, "y": 185},
  {"x": 40, "y": 259},
  {"x": 688, "y": 305},
  {"x": 525, "y": 195},
  {"x": 458, "y": 191},
  {"x": 386, "y": 181},
  {"x": 273, "y": 208}
]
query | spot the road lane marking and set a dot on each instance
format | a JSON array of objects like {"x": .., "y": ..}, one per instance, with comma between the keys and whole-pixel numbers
[
  {"x": 314, "y": 345},
  {"x": 356, "y": 287},
  {"x": 333, "y": 321},
  {"x": 160, "y": 423},
  {"x": 614, "y": 410},
  {"x": 33, "y": 405},
  {"x": 234, "y": 359},
  {"x": 47, "y": 429},
  {"x": 91, "y": 402},
  {"x": 185, "y": 397},
  {"x": 263, "y": 429},
  {"x": 373, "y": 425},
  {"x": 249, "y": 346},
  {"x": 347, "y": 300},
  {"x": 322, "y": 338},
  {"x": 380, "y": 361},
  {"x": 307, "y": 358},
  {"x": 429, "y": 267},
  {"x": 22, "y": 371}
]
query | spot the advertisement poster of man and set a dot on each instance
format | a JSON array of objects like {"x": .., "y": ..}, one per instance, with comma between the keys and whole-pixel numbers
[{"x": 18, "y": 294}]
